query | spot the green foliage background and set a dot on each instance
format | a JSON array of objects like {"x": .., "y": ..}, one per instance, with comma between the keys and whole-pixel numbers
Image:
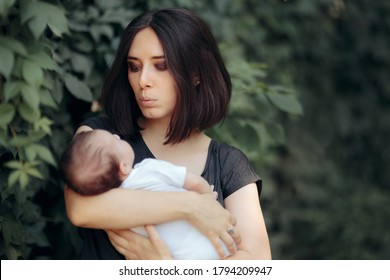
[{"x": 310, "y": 108}]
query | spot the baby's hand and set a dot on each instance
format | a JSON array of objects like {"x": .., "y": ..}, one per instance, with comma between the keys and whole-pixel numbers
[{"x": 197, "y": 184}]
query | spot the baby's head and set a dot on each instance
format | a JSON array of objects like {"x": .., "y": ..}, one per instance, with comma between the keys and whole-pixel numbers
[{"x": 96, "y": 161}]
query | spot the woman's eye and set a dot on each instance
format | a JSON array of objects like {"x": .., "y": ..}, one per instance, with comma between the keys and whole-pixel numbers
[
  {"x": 162, "y": 66},
  {"x": 133, "y": 67}
]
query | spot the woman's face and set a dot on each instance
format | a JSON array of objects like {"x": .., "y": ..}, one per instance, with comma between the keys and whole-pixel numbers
[{"x": 148, "y": 75}]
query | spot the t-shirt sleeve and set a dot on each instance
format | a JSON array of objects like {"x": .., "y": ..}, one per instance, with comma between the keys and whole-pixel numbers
[
  {"x": 98, "y": 122},
  {"x": 236, "y": 171}
]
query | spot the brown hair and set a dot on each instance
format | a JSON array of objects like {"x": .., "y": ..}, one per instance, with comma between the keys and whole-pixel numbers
[
  {"x": 190, "y": 51},
  {"x": 87, "y": 168}
]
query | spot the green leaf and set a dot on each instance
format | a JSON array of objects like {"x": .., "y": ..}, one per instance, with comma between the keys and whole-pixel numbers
[
  {"x": 5, "y": 5},
  {"x": 43, "y": 124},
  {"x": 12, "y": 89},
  {"x": 13, "y": 178},
  {"x": 32, "y": 73},
  {"x": 44, "y": 60},
  {"x": 47, "y": 99},
  {"x": 23, "y": 179},
  {"x": 31, "y": 152},
  {"x": 18, "y": 141},
  {"x": 101, "y": 30},
  {"x": 7, "y": 61},
  {"x": 45, "y": 154},
  {"x": 30, "y": 96},
  {"x": 12, "y": 253},
  {"x": 4, "y": 138},
  {"x": 57, "y": 92},
  {"x": 78, "y": 88},
  {"x": 35, "y": 173},
  {"x": 29, "y": 114},
  {"x": 276, "y": 132},
  {"x": 58, "y": 23},
  {"x": 7, "y": 113},
  {"x": 39, "y": 14},
  {"x": 286, "y": 102},
  {"x": 13, "y": 231},
  {"x": 14, "y": 164},
  {"x": 37, "y": 25},
  {"x": 13, "y": 45},
  {"x": 81, "y": 63}
]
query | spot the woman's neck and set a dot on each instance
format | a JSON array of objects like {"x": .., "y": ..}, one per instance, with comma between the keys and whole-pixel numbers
[{"x": 154, "y": 130}]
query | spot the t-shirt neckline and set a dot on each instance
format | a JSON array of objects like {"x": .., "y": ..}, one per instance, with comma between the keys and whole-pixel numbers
[{"x": 208, "y": 159}]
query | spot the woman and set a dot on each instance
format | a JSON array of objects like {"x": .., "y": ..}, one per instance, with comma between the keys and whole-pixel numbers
[{"x": 166, "y": 86}]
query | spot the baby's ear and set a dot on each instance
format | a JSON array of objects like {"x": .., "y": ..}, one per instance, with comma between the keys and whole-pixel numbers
[{"x": 124, "y": 168}]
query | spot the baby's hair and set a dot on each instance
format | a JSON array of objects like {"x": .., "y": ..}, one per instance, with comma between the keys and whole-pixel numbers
[{"x": 87, "y": 167}]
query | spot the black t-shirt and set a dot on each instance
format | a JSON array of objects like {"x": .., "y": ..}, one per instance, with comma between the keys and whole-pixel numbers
[{"x": 227, "y": 168}]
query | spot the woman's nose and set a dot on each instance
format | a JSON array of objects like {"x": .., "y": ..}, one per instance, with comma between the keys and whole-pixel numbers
[{"x": 145, "y": 78}]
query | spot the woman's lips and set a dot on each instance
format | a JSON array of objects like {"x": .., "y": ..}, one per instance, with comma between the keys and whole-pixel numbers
[{"x": 147, "y": 102}]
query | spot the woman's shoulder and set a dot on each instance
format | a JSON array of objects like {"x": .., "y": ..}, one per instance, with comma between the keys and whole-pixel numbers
[
  {"x": 233, "y": 160},
  {"x": 227, "y": 152},
  {"x": 98, "y": 122},
  {"x": 235, "y": 169}
]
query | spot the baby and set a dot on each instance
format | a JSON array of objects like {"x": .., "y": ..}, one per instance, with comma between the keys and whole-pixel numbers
[{"x": 96, "y": 161}]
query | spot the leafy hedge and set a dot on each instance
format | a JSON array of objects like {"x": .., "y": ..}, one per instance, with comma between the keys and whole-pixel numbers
[{"x": 54, "y": 55}]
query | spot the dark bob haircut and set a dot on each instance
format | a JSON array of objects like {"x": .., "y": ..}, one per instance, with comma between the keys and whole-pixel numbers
[{"x": 190, "y": 51}]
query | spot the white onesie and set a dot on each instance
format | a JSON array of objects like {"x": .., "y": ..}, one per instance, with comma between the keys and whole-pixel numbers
[{"x": 183, "y": 240}]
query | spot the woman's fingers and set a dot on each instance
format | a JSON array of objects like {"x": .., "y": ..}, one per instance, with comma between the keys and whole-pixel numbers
[
  {"x": 158, "y": 243},
  {"x": 215, "y": 221},
  {"x": 231, "y": 239},
  {"x": 117, "y": 241},
  {"x": 126, "y": 242},
  {"x": 137, "y": 247}
]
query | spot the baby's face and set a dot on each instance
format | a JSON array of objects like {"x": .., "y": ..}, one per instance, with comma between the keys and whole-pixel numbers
[{"x": 114, "y": 144}]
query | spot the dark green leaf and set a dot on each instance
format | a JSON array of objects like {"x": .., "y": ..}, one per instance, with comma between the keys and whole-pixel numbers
[
  {"x": 286, "y": 102},
  {"x": 32, "y": 73},
  {"x": 78, "y": 88},
  {"x": 7, "y": 112},
  {"x": 30, "y": 96},
  {"x": 7, "y": 61},
  {"x": 28, "y": 114},
  {"x": 43, "y": 124},
  {"x": 13, "y": 45},
  {"x": 47, "y": 99},
  {"x": 45, "y": 154},
  {"x": 12, "y": 89},
  {"x": 44, "y": 60},
  {"x": 5, "y": 6}
]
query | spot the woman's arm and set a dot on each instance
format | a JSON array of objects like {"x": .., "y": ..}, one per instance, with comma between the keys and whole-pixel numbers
[
  {"x": 250, "y": 224},
  {"x": 123, "y": 208},
  {"x": 250, "y": 229}
]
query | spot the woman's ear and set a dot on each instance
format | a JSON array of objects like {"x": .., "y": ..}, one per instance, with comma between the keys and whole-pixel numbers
[{"x": 196, "y": 80}]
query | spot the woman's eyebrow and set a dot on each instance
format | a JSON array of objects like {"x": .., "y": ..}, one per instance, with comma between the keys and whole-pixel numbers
[{"x": 153, "y": 57}]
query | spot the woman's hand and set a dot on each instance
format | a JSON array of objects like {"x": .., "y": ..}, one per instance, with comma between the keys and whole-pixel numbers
[
  {"x": 210, "y": 218},
  {"x": 137, "y": 247}
]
